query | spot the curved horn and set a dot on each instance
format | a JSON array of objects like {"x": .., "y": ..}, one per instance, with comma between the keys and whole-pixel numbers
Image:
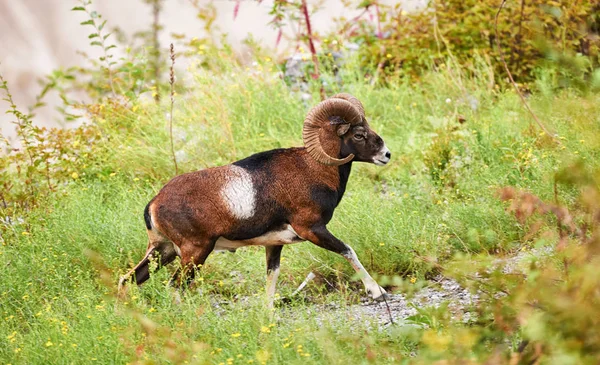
[
  {"x": 319, "y": 116},
  {"x": 354, "y": 101}
]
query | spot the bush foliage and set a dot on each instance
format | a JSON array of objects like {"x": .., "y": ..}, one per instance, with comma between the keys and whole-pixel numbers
[{"x": 533, "y": 34}]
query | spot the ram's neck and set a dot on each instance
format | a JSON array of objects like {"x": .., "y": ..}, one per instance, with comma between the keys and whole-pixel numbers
[
  {"x": 344, "y": 174},
  {"x": 334, "y": 178}
]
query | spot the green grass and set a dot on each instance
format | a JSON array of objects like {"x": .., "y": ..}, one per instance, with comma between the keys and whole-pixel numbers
[{"x": 435, "y": 199}]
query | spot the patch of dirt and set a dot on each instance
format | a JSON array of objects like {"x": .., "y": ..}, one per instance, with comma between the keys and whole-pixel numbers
[{"x": 399, "y": 307}]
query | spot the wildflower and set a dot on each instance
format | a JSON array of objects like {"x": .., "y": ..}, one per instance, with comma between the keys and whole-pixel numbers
[
  {"x": 239, "y": 356},
  {"x": 265, "y": 329},
  {"x": 136, "y": 179},
  {"x": 581, "y": 141},
  {"x": 49, "y": 343},
  {"x": 413, "y": 280},
  {"x": 17, "y": 350},
  {"x": 381, "y": 244},
  {"x": 235, "y": 335},
  {"x": 397, "y": 107},
  {"x": 25, "y": 233},
  {"x": 286, "y": 345},
  {"x": 448, "y": 101},
  {"x": 151, "y": 309},
  {"x": 388, "y": 55},
  {"x": 112, "y": 174}
]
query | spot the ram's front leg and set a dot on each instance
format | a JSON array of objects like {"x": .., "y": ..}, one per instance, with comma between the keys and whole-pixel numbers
[{"x": 320, "y": 236}]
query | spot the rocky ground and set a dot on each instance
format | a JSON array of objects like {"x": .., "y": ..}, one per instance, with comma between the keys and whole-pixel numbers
[{"x": 400, "y": 308}]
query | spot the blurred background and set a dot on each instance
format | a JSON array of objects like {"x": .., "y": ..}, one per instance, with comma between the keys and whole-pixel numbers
[{"x": 39, "y": 36}]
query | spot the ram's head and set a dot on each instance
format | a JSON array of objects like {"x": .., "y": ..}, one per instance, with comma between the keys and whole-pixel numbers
[{"x": 336, "y": 132}]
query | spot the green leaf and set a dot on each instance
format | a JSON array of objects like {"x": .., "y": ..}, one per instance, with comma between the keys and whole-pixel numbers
[
  {"x": 93, "y": 35},
  {"x": 96, "y": 43},
  {"x": 101, "y": 26},
  {"x": 106, "y": 36},
  {"x": 78, "y": 8},
  {"x": 87, "y": 22},
  {"x": 94, "y": 14}
]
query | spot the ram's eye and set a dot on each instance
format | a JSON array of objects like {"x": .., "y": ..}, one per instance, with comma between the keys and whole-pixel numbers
[{"x": 359, "y": 137}]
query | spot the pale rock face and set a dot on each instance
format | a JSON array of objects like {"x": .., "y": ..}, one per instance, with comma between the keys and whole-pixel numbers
[{"x": 38, "y": 36}]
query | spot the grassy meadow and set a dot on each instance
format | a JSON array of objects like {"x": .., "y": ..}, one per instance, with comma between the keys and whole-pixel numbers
[{"x": 455, "y": 139}]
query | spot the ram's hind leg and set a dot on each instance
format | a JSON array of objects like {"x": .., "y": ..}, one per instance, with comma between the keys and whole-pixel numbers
[
  {"x": 163, "y": 251},
  {"x": 193, "y": 256}
]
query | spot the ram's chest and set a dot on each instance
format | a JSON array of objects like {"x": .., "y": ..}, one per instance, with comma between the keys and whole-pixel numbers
[{"x": 273, "y": 238}]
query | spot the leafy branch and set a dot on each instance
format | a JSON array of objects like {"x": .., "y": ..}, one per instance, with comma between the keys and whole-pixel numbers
[{"x": 99, "y": 38}]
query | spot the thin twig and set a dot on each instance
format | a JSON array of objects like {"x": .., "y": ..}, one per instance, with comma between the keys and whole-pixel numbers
[
  {"x": 388, "y": 308},
  {"x": 172, "y": 82},
  {"x": 539, "y": 123}
]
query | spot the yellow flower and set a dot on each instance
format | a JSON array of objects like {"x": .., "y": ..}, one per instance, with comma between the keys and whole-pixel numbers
[
  {"x": 49, "y": 343},
  {"x": 381, "y": 244},
  {"x": 235, "y": 335},
  {"x": 265, "y": 329},
  {"x": 388, "y": 55},
  {"x": 413, "y": 280},
  {"x": 25, "y": 233}
]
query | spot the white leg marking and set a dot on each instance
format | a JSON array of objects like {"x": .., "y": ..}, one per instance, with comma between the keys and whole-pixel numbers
[
  {"x": 271, "y": 284},
  {"x": 238, "y": 193},
  {"x": 371, "y": 286}
]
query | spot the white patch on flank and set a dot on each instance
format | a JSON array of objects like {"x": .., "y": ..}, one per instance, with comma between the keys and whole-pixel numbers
[
  {"x": 272, "y": 238},
  {"x": 380, "y": 158},
  {"x": 238, "y": 193}
]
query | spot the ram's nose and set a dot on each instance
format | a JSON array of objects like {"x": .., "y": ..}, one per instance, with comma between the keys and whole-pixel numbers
[{"x": 383, "y": 157}]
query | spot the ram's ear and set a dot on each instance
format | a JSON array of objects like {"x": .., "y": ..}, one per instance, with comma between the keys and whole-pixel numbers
[{"x": 343, "y": 129}]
